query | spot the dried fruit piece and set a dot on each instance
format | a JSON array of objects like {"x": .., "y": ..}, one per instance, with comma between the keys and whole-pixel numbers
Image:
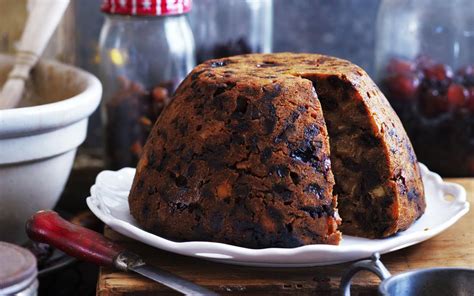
[
  {"x": 136, "y": 149},
  {"x": 160, "y": 94},
  {"x": 131, "y": 112},
  {"x": 145, "y": 121},
  {"x": 224, "y": 190}
]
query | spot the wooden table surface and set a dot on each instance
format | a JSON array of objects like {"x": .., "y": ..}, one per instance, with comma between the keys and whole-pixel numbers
[{"x": 453, "y": 247}]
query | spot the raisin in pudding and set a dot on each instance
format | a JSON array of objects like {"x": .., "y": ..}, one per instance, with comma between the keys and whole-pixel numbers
[{"x": 272, "y": 150}]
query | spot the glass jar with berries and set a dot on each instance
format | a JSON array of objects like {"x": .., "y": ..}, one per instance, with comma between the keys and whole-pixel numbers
[
  {"x": 146, "y": 48},
  {"x": 424, "y": 59},
  {"x": 230, "y": 27}
]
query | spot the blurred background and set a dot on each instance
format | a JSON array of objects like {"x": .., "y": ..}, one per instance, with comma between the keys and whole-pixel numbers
[
  {"x": 419, "y": 52},
  {"x": 422, "y": 60},
  {"x": 343, "y": 28}
]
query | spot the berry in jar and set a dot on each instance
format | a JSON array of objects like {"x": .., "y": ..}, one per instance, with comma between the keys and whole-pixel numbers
[{"x": 436, "y": 106}]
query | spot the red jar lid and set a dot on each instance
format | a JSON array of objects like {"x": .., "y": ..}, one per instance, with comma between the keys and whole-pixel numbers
[{"x": 146, "y": 7}]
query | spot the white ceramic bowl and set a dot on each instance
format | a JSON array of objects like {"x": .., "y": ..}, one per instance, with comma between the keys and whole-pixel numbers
[{"x": 38, "y": 144}]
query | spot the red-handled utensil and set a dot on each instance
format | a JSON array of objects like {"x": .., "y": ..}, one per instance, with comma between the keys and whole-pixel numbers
[{"x": 48, "y": 227}]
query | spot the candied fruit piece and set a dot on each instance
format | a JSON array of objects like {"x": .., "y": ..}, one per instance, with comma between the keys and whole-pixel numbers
[
  {"x": 439, "y": 72},
  {"x": 402, "y": 86},
  {"x": 224, "y": 190},
  {"x": 400, "y": 66},
  {"x": 457, "y": 95},
  {"x": 433, "y": 103}
]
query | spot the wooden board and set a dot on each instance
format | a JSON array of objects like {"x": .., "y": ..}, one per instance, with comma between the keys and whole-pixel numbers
[{"x": 454, "y": 247}]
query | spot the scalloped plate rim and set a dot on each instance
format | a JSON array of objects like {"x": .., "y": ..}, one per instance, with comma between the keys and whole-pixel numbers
[{"x": 271, "y": 257}]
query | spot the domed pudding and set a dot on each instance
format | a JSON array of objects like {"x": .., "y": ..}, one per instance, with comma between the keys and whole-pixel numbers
[{"x": 264, "y": 150}]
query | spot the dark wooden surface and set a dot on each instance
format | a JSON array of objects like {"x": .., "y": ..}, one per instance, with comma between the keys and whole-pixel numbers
[{"x": 454, "y": 247}]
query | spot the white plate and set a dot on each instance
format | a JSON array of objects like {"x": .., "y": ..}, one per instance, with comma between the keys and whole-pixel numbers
[{"x": 446, "y": 203}]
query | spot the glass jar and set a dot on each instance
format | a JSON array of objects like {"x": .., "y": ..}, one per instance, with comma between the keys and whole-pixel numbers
[
  {"x": 425, "y": 66},
  {"x": 230, "y": 27},
  {"x": 146, "y": 49}
]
